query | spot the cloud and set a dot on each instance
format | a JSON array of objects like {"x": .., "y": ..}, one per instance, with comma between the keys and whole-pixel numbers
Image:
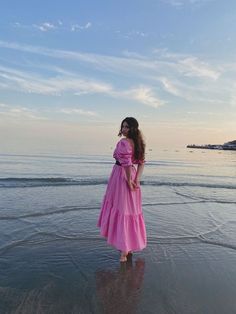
[
  {"x": 175, "y": 3},
  {"x": 77, "y": 27},
  {"x": 17, "y": 24},
  {"x": 131, "y": 34},
  {"x": 197, "y": 68},
  {"x": 196, "y": 93},
  {"x": 45, "y": 27},
  {"x": 135, "y": 33},
  {"x": 185, "y": 76},
  {"x": 20, "y": 113},
  {"x": 82, "y": 112},
  {"x": 32, "y": 83},
  {"x": 132, "y": 54},
  {"x": 188, "y": 65},
  {"x": 144, "y": 95},
  {"x": 185, "y": 64},
  {"x": 203, "y": 113},
  {"x": 59, "y": 25},
  {"x": 180, "y": 3},
  {"x": 69, "y": 82},
  {"x": 3, "y": 105},
  {"x": 54, "y": 53},
  {"x": 169, "y": 86}
]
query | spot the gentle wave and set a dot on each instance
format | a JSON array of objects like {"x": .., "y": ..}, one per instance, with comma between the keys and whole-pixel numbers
[
  {"x": 37, "y": 182},
  {"x": 48, "y": 212},
  {"x": 67, "y": 209},
  {"x": 42, "y": 237},
  {"x": 60, "y": 181},
  {"x": 191, "y": 184}
]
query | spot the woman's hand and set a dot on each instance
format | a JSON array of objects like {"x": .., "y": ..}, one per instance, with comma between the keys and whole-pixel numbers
[
  {"x": 137, "y": 183},
  {"x": 132, "y": 185}
]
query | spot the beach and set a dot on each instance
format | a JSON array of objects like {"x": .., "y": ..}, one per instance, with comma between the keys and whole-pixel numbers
[{"x": 53, "y": 260}]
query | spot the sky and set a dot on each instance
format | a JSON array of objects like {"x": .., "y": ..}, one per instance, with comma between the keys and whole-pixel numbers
[{"x": 71, "y": 71}]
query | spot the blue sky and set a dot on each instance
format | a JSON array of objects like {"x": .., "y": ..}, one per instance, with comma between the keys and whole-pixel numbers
[{"x": 70, "y": 71}]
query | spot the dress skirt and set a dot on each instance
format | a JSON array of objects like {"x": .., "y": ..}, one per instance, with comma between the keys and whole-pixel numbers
[{"x": 121, "y": 219}]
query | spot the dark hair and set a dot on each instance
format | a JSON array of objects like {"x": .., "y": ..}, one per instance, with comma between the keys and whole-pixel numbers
[{"x": 136, "y": 135}]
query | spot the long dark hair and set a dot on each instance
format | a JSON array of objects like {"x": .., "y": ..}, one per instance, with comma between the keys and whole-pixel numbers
[{"x": 136, "y": 135}]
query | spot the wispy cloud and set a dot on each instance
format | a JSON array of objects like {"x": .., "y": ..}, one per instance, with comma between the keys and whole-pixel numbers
[
  {"x": 184, "y": 76},
  {"x": 195, "y": 67},
  {"x": 3, "y": 105},
  {"x": 17, "y": 24},
  {"x": 45, "y": 27},
  {"x": 144, "y": 95},
  {"x": 132, "y": 54},
  {"x": 131, "y": 34},
  {"x": 9, "y": 112},
  {"x": 169, "y": 86},
  {"x": 135, "y": 33},
  {"x": 188, "y": 65},
  {"x": 20, "y": 112},
  {"x": 203, "y": 113},
  {"x": 180, "y": 3},
  {"x": 77, "y": 27},
  {"x": 71, "y": 111},
  {"x": 33, "y": 83}
]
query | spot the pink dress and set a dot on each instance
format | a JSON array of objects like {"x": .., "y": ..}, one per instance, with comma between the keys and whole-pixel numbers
[{"x": 121, "y": 219}]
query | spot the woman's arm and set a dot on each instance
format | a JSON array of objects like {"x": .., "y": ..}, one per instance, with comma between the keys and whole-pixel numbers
[
  {"x": 139, "y": 174},
  {"x": 130, "y": 182}
]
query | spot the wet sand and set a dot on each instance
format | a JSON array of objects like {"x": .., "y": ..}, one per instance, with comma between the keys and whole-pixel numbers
[
  {"x": 76, "y": 276},
  {"x": 48, "y": 274}
]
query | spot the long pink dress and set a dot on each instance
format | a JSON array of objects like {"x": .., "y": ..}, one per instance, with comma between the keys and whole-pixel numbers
[{"x": 121, "y": 219}]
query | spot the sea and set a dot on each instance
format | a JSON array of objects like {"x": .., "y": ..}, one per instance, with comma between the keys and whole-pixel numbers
[{"x": 53, "y": 259}]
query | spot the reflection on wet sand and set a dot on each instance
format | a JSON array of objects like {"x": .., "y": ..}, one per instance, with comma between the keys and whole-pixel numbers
[{"x": 119, "y": 291}]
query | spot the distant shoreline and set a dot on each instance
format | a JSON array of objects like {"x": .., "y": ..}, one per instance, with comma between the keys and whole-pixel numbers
[{"x": 226, "y": 146}]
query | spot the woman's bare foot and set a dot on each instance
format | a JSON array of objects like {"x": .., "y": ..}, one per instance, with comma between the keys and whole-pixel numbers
[{"x": 123, "y": 257}]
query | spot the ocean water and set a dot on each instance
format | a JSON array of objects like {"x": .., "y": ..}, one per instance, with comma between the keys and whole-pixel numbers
[{"x": 53, "y": 260}]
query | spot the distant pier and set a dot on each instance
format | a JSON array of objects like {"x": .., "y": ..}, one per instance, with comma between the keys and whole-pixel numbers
[{"x": 226, "y": 146}]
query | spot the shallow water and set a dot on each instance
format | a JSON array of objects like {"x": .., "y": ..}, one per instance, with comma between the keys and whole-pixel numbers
[{"x": 52, "y": 259}]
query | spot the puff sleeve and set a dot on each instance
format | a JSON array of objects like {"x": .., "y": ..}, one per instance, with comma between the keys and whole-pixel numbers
[{"x": 124, "y": 153}]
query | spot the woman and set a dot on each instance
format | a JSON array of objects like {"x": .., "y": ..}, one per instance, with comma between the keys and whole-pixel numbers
[{"x": 121, "y": 219}]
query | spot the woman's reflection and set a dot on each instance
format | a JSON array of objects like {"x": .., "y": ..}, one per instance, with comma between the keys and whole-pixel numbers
[{"x": 119, "y": 291}]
